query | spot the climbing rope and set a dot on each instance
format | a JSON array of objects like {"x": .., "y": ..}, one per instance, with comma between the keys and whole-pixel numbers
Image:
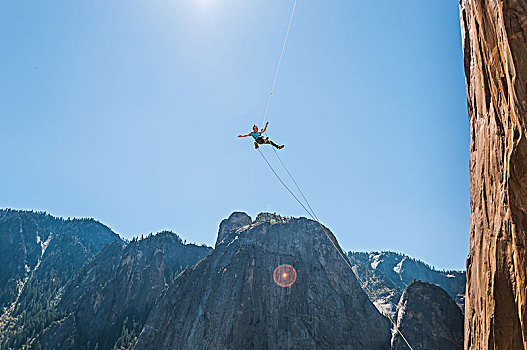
[
  {"x": 390, "y": 294},
  {"x": 312, "y": 214},
  {"x": 339, "y": 251},
  {"x": 298, "y": 187},
  {"x": 278, "y": 177},
  {"x": 279, "y": 63}
]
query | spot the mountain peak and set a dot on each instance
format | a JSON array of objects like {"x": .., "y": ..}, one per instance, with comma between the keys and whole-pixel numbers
[
  {"x": 264, "y": 216},
  {"x": 432, "y": 303},
  {"x": 234, "y": 298},
  {"x": 234, "y": 221}
]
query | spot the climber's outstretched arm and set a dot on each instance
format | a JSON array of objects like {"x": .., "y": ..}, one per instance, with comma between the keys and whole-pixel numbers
[
  {"x": 244, "y": 135},
  {"x": 263, "y": 131}
]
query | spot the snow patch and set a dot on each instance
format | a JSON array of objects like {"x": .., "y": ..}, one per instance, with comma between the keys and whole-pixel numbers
[
  {"x": 44, "y": 245},
  {"x": 377, "y": 259},
  {"x": 399, "y": 267},
  {"x": 451, "y": 276}
]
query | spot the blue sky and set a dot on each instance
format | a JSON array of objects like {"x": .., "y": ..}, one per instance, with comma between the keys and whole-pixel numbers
[{"x": 128, "y": 111}]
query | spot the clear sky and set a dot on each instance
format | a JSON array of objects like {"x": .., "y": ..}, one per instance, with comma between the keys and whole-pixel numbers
[{"x": 128, "y": 111}]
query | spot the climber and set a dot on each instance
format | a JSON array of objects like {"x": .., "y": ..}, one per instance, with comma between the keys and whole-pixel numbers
[{"x": 259, "y": 139}]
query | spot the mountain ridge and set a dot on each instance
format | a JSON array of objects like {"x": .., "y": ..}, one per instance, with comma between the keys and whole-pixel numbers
[
  {"x": 230, "y": 300},
  {"x": 107, "y": 297},
  {"x": 395, "y": 271}
]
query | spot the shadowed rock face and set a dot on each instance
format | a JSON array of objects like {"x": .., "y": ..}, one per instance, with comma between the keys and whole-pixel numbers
[
  {"x": 495, "y": 49},
  {"x": 118, "y": 289},
  {"x": 230, "y": 300},
  {"x": 34, "y": 245},
  {"x": 435, "y": 306},
  {"x": 236, "y": 220},
  {"x": 39, "y": 254},
  {"x": 395, "y": 271}
]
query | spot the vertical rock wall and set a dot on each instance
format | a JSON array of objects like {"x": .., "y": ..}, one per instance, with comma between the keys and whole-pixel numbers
[
  {"x": 495, "y": 49},
  {"x": 433, "y": 304},
  {"x": 230, "y": 300}
]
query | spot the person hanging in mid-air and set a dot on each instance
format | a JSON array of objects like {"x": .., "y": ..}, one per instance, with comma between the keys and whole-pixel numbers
[{"x": 259, "y": 139}]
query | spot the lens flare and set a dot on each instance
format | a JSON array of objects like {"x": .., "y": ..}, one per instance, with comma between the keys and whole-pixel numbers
[
  {"x": 284, "y": 276},
  {"x": 272, "y": 221}
]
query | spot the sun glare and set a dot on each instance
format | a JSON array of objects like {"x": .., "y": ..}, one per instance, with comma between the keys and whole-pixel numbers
[
  {"x": 284, "y": 276},
  {"x": 205, "y": 2}
]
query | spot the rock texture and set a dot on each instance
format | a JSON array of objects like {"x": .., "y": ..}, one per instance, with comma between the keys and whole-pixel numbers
[
  {"x": 116, "y": 290},
  {"x": 21, "y": 235},
  {"x": 433, "y": 304},
  {"x": 230, "y": 300},
  {"x": 235, "y": 220},
  {"x": 75, "y": 284},
  {"x": 495, "y": 49},
  {"x": 39, "y": 254},
  {"x": 395, "y": 271}
]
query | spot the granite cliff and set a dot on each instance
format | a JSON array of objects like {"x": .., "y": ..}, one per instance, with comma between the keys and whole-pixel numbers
[
  {"x": 107, "y": 303},
  {"x": 396, "y": 271},
  {"x": 495, "y": 53},
  {"x": 230, "y": 299},
  {"x": 39, "y": 254},
  {"x": 75, "y": 284},
  {"x": 435, "y": 306}
]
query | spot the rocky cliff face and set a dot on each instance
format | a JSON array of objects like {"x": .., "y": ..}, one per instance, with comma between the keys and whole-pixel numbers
[
  {"x": 231, "y": 301},
  {"x": 39, "y": 254},
  {"x": 22, "y": 238},
  {"x": 235, "y": 220},
  {"x": 75, "y": 284},
  {"x": 495, "y": 49},
  {"x": 113, "y": 294},
  {"x": 395, "y": 271},
  {"x": 434, "y": 305}
]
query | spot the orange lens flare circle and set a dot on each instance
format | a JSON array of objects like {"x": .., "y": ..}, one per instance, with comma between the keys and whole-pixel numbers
[{"x": 284, "y": 276}]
